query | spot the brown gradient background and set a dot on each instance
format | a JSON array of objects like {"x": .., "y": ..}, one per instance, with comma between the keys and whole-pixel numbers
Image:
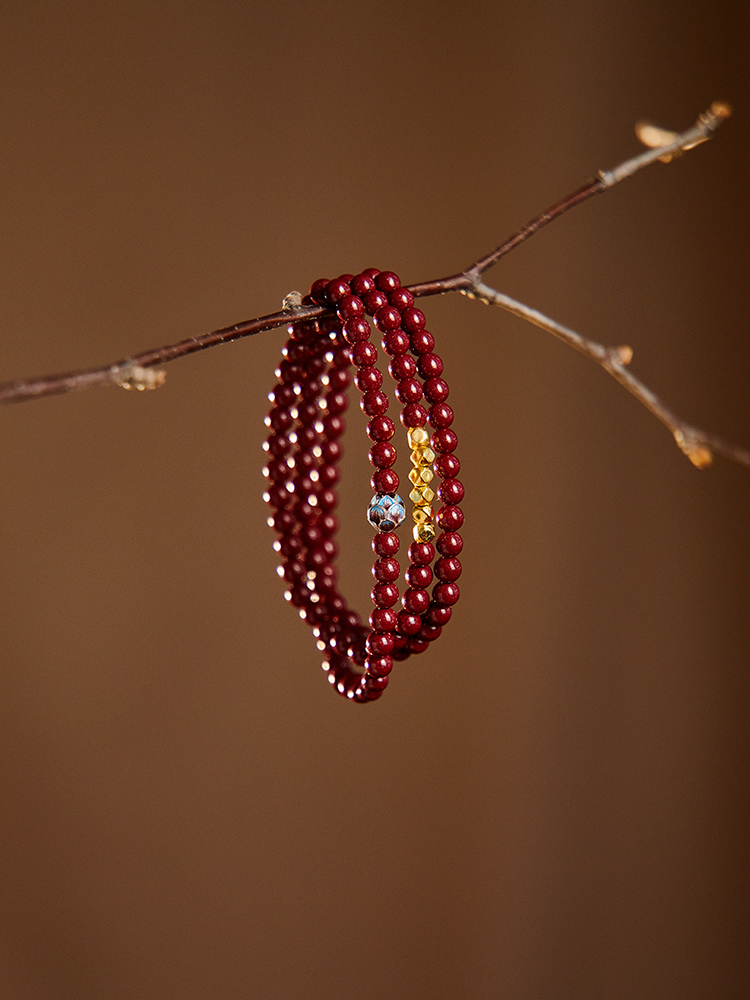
[{"x": 552, "y": 801}]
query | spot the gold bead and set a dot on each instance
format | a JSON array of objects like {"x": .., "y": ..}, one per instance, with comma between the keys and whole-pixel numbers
[
  {"x": 421, "y": 476},
  {"x": 422, "y": 515},
  {"x": 422, "y": 496},
  {"x": 417, "y": 436},
  {"x": 423, "y": 456},
  {"x": 424, "y": 532}
]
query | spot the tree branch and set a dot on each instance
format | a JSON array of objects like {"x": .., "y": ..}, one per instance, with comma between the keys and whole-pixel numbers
[{"x": 138, "y": 372}]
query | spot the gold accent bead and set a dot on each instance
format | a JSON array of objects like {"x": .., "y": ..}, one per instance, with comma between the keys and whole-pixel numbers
[
  {"x": 422, "y": 496},
  {"x": 423, "y": 456},
  {"x": 422, "y": 515},
  {"x": 417, "y": 436},
  {"x": 424, "y": 532},
  {"x": 421, "y": 476}
]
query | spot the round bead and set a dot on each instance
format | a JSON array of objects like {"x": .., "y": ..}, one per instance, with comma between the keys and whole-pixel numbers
[
  {"x": 401, "y": 298},
  {"x": 414, "y": 415},
  {"x": 356, "y": 330},
  {"x": 422, "y": 342},
  {"x": 450, "y": 518},
  {"x": 409, "y": 390},
  {"x": 408, "y": 624},
  {"x": 446, "y": 593},
  {"x": 429, "y": 633},
  {"x": 375, "y": 300},
  {"x": 447, "y": 466},
  {"x": 381, "y": 429},
  {"x": 337, "y": 402},
  {"x": 318, "y": 292},
  {"x": 387, "y": 570},
  {"x": 402, "y": 366},
  {"x": 386, "y": 512},
  {"x": 364, "y": 354},
  {"x": 336, "y": 290},
  {"x": 384, "y": 595},
  {"x": 419, "y": 577},
  {"x": 436, "y": 389},
  {"x": 415, "y": 601},
  {"x": 447, "y": 569},
  {"x": 430, "y": 366},
  {"x": 362, "y": 284},
  {"x": 444, "y": 441},
  {"x": 349, "y": 307},
  {"x": 412, "y": 319},
  {"x": 379, "y": 644},
  {"x": 368, "y": 378},
  {"x": 395, "y": 342},
  {"x": 379, "y": 666},
  {"x": 451, "y": 491},
  {"x": 383, "y": 619},
  {"x": 386, "y": 543},
  {"x": 386, "y": 281},
  {"x": 421, "y": 553},
  {"x": 441, "y": 415},
  {"x": 382, "y": 455},
  {"x": 374, "y": 402},
  {"x": 384, "y": 481},
  {"x": 334, "y": 426},
  {"x": 438, "y": 615}
]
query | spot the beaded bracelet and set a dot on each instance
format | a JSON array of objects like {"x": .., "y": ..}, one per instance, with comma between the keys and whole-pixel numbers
[{"x": 306, "y": 424}]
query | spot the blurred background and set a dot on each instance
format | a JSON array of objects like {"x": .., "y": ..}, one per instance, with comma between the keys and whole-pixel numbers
[{"x": 552, "y": 801}]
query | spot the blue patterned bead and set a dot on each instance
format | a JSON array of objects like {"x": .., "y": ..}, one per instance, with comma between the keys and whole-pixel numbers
[{"x": 386, "y": 511}]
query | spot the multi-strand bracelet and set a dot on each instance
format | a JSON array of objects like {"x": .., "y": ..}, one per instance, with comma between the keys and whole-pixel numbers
[{"x": 304, "y": 448}]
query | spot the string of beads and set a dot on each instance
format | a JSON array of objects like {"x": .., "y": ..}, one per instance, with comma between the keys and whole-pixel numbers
[{"x": 306, "y": 424}]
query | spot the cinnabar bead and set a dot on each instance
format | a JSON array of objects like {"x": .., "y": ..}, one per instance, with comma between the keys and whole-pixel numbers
[
  {"x": 447, "y": 466},
  {"x": 419, "y": 577},
  {"x": 308, "y": 411},
  {"x": 451, "y": 491},
  {"x": 368, "y": 378},
  {"x": 381, "y": 429},
  {"x": 384, "y": 595},
  {"x": 374, "y": 402},
  {"x": 414, "y": 415},
  {"x": 362, "y": 284},
  {"x": 379, "y": 666},
  {"x": 387, "y": 570},
  {"x": 328, "y": 523},
  {"x": 374, "y": 685},
  {"x": 441, "y": 415},
  {"x": 436, "y": 389},
  {"x": 412, "y": 319},
  {"x": 312, "y": 534},
  {"x": 349, "y": 307},
  {"x": 379, "y": 644},
  {"x": 279, "y": 445},
  {"x": 429, "y": 633},
  {"x": 336, "y": 402},
  {"x": 332, "y": 451},
  {"x": 318, "y": 292},
  {"x": 401, "y": 298},
  {"x": 450, "y": 518},
  {"x": 402, "y": 366},
  {"x": 356, "y": 330},
  {"x": 386, "y": 543},
  {"x": 415, "y": 601},
  {"x": 444, "y": 441},
  {"x": 382, "y": 455},
  {"x": 278, "y": 470},
  {"x": 422, "y": 342},
  {"x": 334, "y": 426},
  {"x": 278, "y": 496},
  {"x": 421, "y": 553},
  {"x": 328, "y": 475},
  {"x": 409, "y": 390},
  {"x": 280, "y": 420},
  {"x": 374, "y": 301},
  {"x": 363, "y": 354},
  {"x": 387, "y": 318},
  {"x": 283, "y": 396},
  {"x": 438, "y": 615},
  {"x": 339, "y": 378},
  {"x": 386, "y": 281},
  {"x": 449, "y": 544},
  {"x": 446, "y": 593},
  {"x": 383, "y": 619},
  {"x": 430, "y": 366},
  {"x": 408, "y": 624},
  {"x": 336, "y": 290},
  {"x": 448, "y": 569},
  {"x": 395, "y": 342},
  {"x": 327, "y": 499},
  {"x": 417, "y": 645},
  {"x": 384, "y": 481}
]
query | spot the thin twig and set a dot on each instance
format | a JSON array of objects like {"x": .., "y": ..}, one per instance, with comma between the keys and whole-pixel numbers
[
  {"x": 135, "y": 372},
  {"x": 695, "y": 443}
]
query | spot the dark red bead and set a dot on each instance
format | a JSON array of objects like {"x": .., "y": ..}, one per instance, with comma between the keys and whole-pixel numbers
[
  {"x": 446, "y": 593},
  {"x": 284, "y": 395},
  {"x": 312, "y": 534},
  {"x": 417, "y": 645},
  {"x": 401, "y": 298},
  {"x": 386, "y": 543},
  {"x": 362, "y": 284},
  {"x": 450, "y": 518},
  {"x": 381, "y": 429},
  {"x": 374, "y": 301},
  {"x": 356, "y": 330},
  {"x": 387, "y": 570},
  {"x": 368, "y": 378},
  {"x": 386, "y": 281},
  {"x": 363, "y": 354},
  {"x": 339, "y": 378},
  {"x": 444, "y": 441},
  {"x": 384, "y": 595},
  {"x": 374, "y": 402},
  {"x": 419, "y": 577},
  {"x": 430, "y": 366},
  {"x": 438, "y": 615},
  {"x": 383, "y": 619},
  {"x": 402, "y": 366},
  {"x": 414, "y": 415},
  {"x": 436, "y": 389},
  {"x": 308, "y": 411},
  {"x": 448, "y": 569},
  {"x": 441, "y": 415},
  {"x": 429, "y": 633},
  {"x": 387, "y": 318},
  {"x": 370, "y": 272},
  {"x": 327, "y": 499},
  {"x": 451, "y": 491},
  {"x": 408, "y": 624},
  {"x": 382, "y": 455},
  {"x": 307, "y": 436},
  {"x": 295, "y": 569},
  {"x": 449, "y": 544},
  {"x": 336, "y": 402},
  {"x": 332, "y": 451},
  {"x": 374, "y": 685},
  {"x": 415, "y": 601},
  {"x": 280, "y": 420},
  {"x": 384, "y": 481},
  {"x": 349, "y": 307},
  {"x": 278, "y": 496},
  {"x": 422, "y": 341},
  {"x": 284, "y": 520},
  {"x": 278, "y": 470},
  {"x": 395, "y": 342},
  {"x": 409, "y": 390},
  {"x": 421, "y": 553},
  {"x": 336, "y": 290},
  {"x": 328, "y": 523},
  {"x": 447, "y": 466},
  {"x": 379, "y": 666},
  {"x": 318, "y": 292},
  {"x": 279, "y": 444},
  {"x": 412, "y": 319},
  {"x": 379, "y": 644},
  {"x": 328, "y": 475},
  {"x": 334, "y": 426}
]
